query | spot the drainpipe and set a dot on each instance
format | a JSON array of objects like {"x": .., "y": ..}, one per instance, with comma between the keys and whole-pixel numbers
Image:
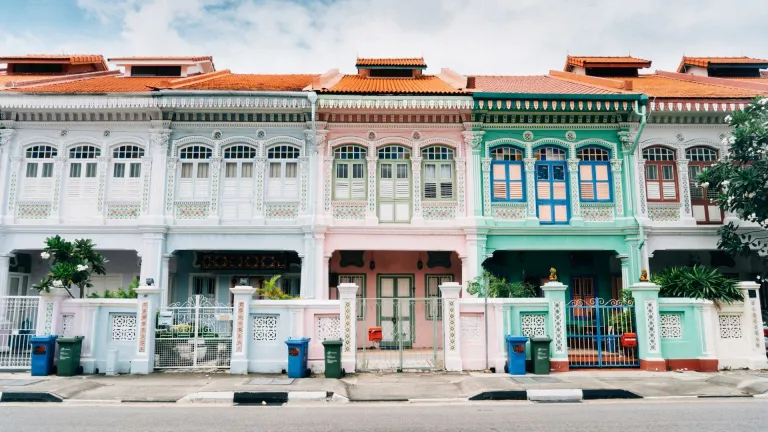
[
  {"x": 642, "y": 112},
  {"x": 312, "y": 96}
]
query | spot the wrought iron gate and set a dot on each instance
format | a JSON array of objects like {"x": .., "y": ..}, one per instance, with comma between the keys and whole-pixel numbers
[
  {"x": 196, "y": 334},
  {"x": 601, "y": 334},
  {"x": 18, "y": 323},
  {"x": 410, "y": 337}
]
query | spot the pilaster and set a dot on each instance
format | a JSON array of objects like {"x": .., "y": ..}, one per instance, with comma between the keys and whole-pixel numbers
[
  {"x": 6, "y": 169},
  {"x": 618, "y": 190},
  {"x": 416, "y": 217},
  {"x": 473, "y": 148},
  {"x": 242, "y": 308},
  {"x": 144, "y": 359},
  {"x": 452, "y": 326},
  {"x": 646, "y": 296},
  {"x": 555, "y": 293},
  {"x": 685, "y": 192},
  {"x": 153, "y": 247},
  {"x": 348, "y": 315},
  {"x": 260, "y": 165},
  {"x": 213, "y": 206},
  {"x": 573, "y": 179},
  {"x": 530, "y": 193},
  {"x": 49, "y": 311},
  {"x": 753, "y": 323},
  {"x": 165, "y": 280},
  {"x": 59, "y": 163},
  {"x": 159, "y": 186}
]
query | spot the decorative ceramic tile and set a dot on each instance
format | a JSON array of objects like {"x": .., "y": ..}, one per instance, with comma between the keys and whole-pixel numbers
[
  {"x": 328, "y": 327},
  {"x": 509, "y": 212},
  {"x": 597, "y": 212},
  {"x": 123, "y": 210},
  {"x": 192, "y": 210},
  {"x": 281, "y": 211},
  {"x": 730, "y": 326},
  {"x": 471, "y": 327},
  {"x": 33, "y": 210}
]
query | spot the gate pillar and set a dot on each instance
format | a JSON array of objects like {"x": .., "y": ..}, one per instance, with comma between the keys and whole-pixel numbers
[
  {"x": 146, "y": 319},
  {"x": 49, "y": 311},
  {"x": 646, "y": 295},
  {"x": 242, "y": 309},
  {"x": 348, "y": 321},
  {"x": 554, "y": 292},
  {"x": 452, "y": 330}
]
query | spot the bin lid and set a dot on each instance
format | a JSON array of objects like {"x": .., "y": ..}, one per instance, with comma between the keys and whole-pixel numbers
[
  {"x": 302, "y": 341},
  {"x": 76, "y": 339},
  {"x": 42, "y": 338},
  {"x": 516, "y": 338},
  {"x": 541, "y": 339},
  {"x": 333, "y": 342}
]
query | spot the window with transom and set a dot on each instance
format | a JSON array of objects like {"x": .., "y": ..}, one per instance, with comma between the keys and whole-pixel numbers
[
  {"x": 194, "y": 176},
  {"x": 79, "y": 169},
  {"x": 282, "y": 173},
  {"x": 394, "y": 181},
  {"x": 699, "y": 160},
  {"x": 237, "y": 185},
  {"x": 81, "y": 187},
  {"x": 125, "y": 183},
  {"x": 594, "y": 175},
  {"x": 660, "y": 174},
  {"x": 349, "y": 167},
  {"x": 438, "y": 174},
  {"x": 552, "y": 199},
  {"x": 38, "y": 177},
  {"x": 507, "y": 174},
  {"x": 550, "y": 154}
]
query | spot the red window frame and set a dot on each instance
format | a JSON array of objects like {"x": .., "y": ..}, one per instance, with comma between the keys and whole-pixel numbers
[
  {"x": 659, "y": 158},
  {"x": 702, "y": 158}
]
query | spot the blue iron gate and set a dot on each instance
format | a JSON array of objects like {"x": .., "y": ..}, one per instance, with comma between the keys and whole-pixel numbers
[{"x": 601, "y": 334}]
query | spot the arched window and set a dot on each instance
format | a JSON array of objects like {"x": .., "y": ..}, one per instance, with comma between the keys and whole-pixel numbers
[
  {"x": 394, "y": 182},
  {"x": 79, "y": 153},
  {"x": 38, "y": 178},
  {"x": 394, "y": 152},
  {"x": 282, "y": 181},
  {"x": 704, "y": 211},
  {"x": 238, "y": 186},
  {"x": 437, "y": 162},
  {"x": 349, "y": 182},
  {"x": 125, "y": 183},
  {"x": 82, "y": 185},
  {"x": 195, "y": 172},
  {"x": 594, "y": 174},
  {"x": 660, "y": 174},
  {"x": 507, "y": 177}
]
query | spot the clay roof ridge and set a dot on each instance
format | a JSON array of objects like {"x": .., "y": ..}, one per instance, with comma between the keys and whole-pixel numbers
[
  {"x": 685, "y": 77},
  {"x": 721, "y": 82},
  {"x": 60, "y": 79},
  {"x": 190, "y": 58},
  {"x": 195, "y": 79},
  {"x": 705, "y": 61},
  {"x": 614, "y": 85}
]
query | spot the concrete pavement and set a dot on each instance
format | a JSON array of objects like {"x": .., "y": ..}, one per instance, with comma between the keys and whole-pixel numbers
[
  {"x": 217, "y": 387},
  {"x": 696, "y": 415}
]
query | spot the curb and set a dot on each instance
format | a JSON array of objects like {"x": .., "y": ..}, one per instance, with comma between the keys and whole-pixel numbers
[
  {"x": 29, "y": 397},
  {"x": 554, "y": 395}
]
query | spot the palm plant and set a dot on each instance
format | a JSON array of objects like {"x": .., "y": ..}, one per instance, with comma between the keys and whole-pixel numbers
[
  {"x": 699, "y": 282},
  {"x": 271, "y": 291},
  {"x": 72, "y": 263}
]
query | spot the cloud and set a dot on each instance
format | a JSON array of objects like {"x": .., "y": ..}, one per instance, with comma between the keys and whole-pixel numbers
[{"x": 469, "y": 36}]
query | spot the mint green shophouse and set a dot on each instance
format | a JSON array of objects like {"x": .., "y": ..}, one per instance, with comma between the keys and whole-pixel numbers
[{"x": 555, "y": 189}]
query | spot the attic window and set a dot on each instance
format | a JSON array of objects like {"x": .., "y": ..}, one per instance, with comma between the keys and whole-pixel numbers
[
  {"x": 37, "y": 68},
  {"x": 391, "y": 73},
  {"x": 612, "y": 72},
  {"x": 734, "y": 72},
  {"x": 156, "y": 71}
]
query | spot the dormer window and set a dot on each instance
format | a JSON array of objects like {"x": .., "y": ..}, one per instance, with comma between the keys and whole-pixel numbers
[
  {"x": 390, "y": 68},
  {"x": 391, "y": 73},
  {"x": 723, "y": 67},
  {"x": 164, "y": 66},
  {"x": 616, "y": 67},
  {"x": 54, "y": 64},
  {"x": 169, "y": 71}
]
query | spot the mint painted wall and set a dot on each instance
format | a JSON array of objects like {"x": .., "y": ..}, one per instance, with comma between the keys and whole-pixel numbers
[
  {"x": 513, "y": 324},
  {"x": 689, "y": 346}
]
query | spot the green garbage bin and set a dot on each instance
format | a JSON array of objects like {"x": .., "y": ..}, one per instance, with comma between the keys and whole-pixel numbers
[
  {"x": 69, "y": 356},
  {"x": 333, "y": 358},
  {"x": 540, "y": 354}
]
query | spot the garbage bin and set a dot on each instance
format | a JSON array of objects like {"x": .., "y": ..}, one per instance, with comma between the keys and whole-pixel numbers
[
  {"x": 540, "y": 354},
  {"x": 297, "y": 357},
  {"x": 69, "y": 356},
  {"x": 516, "y": 354},
  {"x": 333, "y": 358},
  {"x": 43, "y": 350}
]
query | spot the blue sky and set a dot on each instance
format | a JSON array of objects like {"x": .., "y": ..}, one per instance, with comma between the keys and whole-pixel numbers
[{"x": 469, "y": 36}]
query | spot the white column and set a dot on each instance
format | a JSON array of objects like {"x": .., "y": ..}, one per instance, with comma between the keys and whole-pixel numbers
[
  {"x": 213, "y": 205},
  {"x": 624, "y": 258},
  {"x": 753, "y": 325},
  {"x": 49, "y": 311},
  {"x": 618, "y": 190},
  {"x": 325, "y": 276},
  {"x": 5, "y": 168},
  {"x": 59, "y": 163},
  {"x": 472, "y": 141},
  {"x": 452, "y": 326},
  {"x": 371, "y": 214},
  {"x": 260, "y": 165},
  {"x": 641, "y": 200},
  {"x": 416, "y": 217},
  {"x": 573, "y": 173},
  {"x": 485, "y": 189},
  {"x": 165, "y": 280},
  {"x": 144, "y": 359},
  {"x": 103, "y": 165},
  {"x": 153, "y": 245},
  {"x": 243, "y": 296},
  {"x": 530, "y": 186},
  {"x": 5, "y": 263},
  {"x": 685, "y": 192},
  {"x": 348, "y": 320},
  {"x": 320, "y": 268}
]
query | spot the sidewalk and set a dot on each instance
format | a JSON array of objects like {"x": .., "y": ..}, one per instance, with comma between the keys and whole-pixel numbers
[{"x": 222, "y": 387}]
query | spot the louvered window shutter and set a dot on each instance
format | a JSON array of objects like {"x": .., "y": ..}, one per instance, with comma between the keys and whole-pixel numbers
[{"x": 446, "y": 181}]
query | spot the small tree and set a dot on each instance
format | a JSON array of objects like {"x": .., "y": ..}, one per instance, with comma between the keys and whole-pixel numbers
[
  {"x": 271, "y": 291},
  {"x": 742, "y": 178},
  {"x": 72, "y": 263}
]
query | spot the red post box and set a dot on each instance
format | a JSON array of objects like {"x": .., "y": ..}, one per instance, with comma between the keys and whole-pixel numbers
[
  {"x": 374, "y": 334},
  {"x": 629, "y": 340}
]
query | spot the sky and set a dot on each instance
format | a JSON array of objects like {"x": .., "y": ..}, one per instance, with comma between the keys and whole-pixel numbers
[{"x": 491, "y": 37}]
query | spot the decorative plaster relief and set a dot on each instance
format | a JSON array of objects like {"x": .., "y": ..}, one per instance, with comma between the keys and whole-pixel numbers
[
  {"x": 328, "y": 327},
  {"x": 123, "y": 210},
  {"x": 730, "y": 326},
  {"x": 33, "y": 210},
  {"x": 192, "y": 209},
  {"x": 265, "y": 328},
  {"x": 439, "y": 210},
  {"x": 349, "y": 210},
  {"x": 671, "y": 325},
  {"x": 664, "y": 212},
  {"x": 471, "y": 327},
  {"x": 509, "y": 212},
  {"x": 123, "y": 327},
  {"x": 597, "y": 212},
  {"x": 533, "y": 325},
  {"x": 281, "y": 211}
]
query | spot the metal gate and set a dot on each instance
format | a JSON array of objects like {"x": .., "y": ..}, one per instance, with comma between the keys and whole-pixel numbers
[
  {"x": 410, "y": 336},
  {"x": 601, "y": 334},
  {"x": 18, "y": 323},
  {"x": 196, "y": 334}
]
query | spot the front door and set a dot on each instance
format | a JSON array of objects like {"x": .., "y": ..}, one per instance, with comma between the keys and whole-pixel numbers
[
  {"x": 551, "y": 193},
  {"x": 395, "y": 312}
]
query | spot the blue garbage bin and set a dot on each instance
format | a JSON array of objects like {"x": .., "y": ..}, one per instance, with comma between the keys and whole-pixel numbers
[
  {"x": 297, "y": 357},
  {"x": 516, "y": 354},
  {"x": 43, "y": 350}
]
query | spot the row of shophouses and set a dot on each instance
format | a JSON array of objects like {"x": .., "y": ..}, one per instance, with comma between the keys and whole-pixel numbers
[{"x": 390, "y": 178}]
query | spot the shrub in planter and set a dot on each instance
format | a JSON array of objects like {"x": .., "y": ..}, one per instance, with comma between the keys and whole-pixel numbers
[
  {"x": 499, "y": 287},
  {"x": 698, "y": 282}
]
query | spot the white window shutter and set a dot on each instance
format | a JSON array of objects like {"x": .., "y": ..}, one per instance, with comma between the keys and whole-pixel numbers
[
  {"x": 669, "y": 190},
  {"x": 186, "y": 188},
  {"x": 653, "y": 190},
  {"x": 274, "y": 188},
  {"x": 202, "y": 188},
  {"x": 358, "y": 189},
  {"x": 341, "y": 188}
]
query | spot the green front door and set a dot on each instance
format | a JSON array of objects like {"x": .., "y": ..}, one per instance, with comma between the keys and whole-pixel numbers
[{"x": 396, "y": 311}]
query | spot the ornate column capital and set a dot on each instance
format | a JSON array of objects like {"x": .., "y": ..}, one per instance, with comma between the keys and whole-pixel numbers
[
  {"x": 160, "y": 138},
  {"x": 472, "y": 139},
  {"x": 5, "y": 137},
  {"x": 530, "y": 164},
  {"x": 616, "y": 164},
  {"x": 573, "y": 165},
  {"x": 682, "y": 163},
  {"x": 626, "y": 138},
  {"x": 486, "y": 164}
]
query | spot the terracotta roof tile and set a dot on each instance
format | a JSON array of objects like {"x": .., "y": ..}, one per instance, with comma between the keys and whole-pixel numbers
[
  {"x": 706, "y": 61},
  {"x": 664, "y": 87},
  {"x": 425, "y": 84},
  {"x": 616, "y": 61},
  {"x": 69, "y": 58},
  {"x": 535, "y": 84},
  {"x": 248, "y": 82},
  {"x": 408, "y": 62},
  {"x": 102, "y": 85},
  {"x": 7, "y": 79},
  {"x": 144, "y": 58}
]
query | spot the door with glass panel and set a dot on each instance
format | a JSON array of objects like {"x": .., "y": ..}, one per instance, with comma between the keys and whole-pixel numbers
[
  {"x": 237, "y": 186},
  {"x": 552, "y": 200},
  {"x": 394, "y": 184},
  {"x": 82, "y": 183},
  {"x": 704, "y": 210},
  {"x": 396, "y": 311}
]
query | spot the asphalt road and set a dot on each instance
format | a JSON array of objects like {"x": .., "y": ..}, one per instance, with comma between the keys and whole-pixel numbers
[{"x": 743, "y": 415}]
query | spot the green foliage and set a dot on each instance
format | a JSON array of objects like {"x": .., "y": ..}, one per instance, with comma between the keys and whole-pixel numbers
[
  {"x": 621, "y": 322},
  {"x": 699, "y": 282},
  {"x": 72, "y": 263},
  {"x": 128, "y": 292},
  {"x": 271, "y": 291},
  {"x": 742, "y": 178},
  {"x": 498, "y": 287}
]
